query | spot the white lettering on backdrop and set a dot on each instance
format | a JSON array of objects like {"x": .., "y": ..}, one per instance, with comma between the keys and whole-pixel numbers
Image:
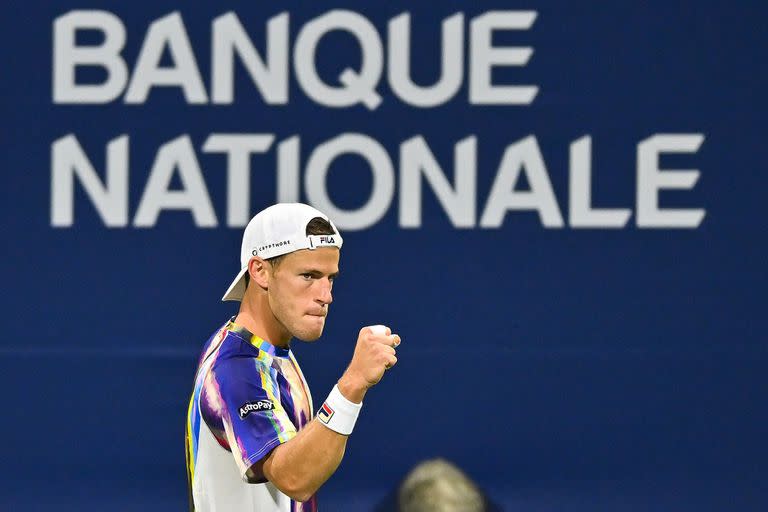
[{"x": 398, "y": 178}]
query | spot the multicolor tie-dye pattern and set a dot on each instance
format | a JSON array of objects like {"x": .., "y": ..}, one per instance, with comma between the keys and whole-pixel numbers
[{"x": 250, "y": 396}]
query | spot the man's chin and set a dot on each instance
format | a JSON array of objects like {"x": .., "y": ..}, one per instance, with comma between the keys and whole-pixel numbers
[
  {"x": 311, "y": 333},
  {"x": 308, "y": 336}
]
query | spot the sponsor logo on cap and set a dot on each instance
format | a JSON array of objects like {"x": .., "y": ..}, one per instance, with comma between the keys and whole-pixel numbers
[
  {"x": 325, "y": 414},
  {"x": 260, "y": 405},
  {"x": 327, "y": 240},
  {"x": 270, "y": 246}
]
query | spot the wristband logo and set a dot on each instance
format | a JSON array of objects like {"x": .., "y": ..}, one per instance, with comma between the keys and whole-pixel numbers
[
  {"x": 325, "y": 413},
  {"x": 249, "y": 407}
]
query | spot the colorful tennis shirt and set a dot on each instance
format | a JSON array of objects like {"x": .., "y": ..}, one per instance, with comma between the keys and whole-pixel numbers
[{"x": 249, "y": 397}]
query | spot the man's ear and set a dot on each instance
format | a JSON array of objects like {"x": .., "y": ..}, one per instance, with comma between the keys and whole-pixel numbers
[{"x": 259, "y": 272}]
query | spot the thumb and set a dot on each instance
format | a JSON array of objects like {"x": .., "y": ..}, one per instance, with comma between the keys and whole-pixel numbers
[{"x": 380, "y": 330}]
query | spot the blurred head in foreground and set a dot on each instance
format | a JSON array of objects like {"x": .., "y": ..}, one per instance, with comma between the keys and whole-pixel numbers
[{"x": 438, "y": 486}]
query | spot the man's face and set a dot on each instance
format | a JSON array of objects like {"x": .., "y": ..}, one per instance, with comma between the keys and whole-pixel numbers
[{"x": 300, "y": 290}]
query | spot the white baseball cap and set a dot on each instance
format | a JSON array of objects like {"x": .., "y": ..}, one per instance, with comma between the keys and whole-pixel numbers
[{"x": 277, "y": 230}]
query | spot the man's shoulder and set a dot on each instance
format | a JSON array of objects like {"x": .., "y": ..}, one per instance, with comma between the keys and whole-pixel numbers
[
  {"x": 234, "y": 351},
  {"x": 238, "y": 367}
]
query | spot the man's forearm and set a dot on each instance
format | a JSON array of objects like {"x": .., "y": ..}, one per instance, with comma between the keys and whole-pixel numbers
[{"x": 299, "y": 467}]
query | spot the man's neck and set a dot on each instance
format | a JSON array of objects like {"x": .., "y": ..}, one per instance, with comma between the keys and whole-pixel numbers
[{"x": 256, "y": 316}]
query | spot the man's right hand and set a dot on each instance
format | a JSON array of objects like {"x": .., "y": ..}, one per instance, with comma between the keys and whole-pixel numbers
[{"x": 374, "y": 354}]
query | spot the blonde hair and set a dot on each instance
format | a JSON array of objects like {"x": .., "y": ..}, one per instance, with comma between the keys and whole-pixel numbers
[{"x": 438, "y": 486}]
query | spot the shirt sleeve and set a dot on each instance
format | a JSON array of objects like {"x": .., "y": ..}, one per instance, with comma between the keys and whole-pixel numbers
[{"x": 253, "y": 417}]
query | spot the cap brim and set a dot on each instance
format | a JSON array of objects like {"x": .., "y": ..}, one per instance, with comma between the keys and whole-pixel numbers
[{"x": 236, "y": 290}]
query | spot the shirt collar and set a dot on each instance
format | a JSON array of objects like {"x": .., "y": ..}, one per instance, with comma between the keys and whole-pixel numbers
[{"x": 256, "y": 341}]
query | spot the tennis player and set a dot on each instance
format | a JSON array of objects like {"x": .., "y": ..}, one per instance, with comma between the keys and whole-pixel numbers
[{"x": 252, "y": 442}]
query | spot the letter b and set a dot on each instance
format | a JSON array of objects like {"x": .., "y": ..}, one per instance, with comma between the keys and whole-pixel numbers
[{"x": 67, "y": 56}]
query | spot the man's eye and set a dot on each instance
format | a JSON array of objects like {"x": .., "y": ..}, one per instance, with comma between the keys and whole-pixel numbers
[{"x": 307, "y": 276}]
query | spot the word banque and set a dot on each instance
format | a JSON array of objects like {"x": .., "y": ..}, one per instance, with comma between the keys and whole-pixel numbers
[{"x": 271, "y": 74}]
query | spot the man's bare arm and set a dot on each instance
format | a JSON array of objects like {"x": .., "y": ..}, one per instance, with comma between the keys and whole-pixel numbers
[{"x": 300, "y": 466}]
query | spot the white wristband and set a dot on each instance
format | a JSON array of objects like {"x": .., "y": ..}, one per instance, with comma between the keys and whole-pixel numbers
[{"x": 338, "y": 413}]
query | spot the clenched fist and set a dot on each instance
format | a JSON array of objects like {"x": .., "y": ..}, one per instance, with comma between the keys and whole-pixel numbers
[{"x": 374, "y": 354}]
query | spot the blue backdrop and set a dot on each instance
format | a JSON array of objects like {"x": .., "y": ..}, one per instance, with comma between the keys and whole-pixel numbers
[{"x": 563, "y": 367}]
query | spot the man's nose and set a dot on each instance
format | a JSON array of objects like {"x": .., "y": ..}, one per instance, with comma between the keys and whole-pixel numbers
[{"x": 326, "y": 297}]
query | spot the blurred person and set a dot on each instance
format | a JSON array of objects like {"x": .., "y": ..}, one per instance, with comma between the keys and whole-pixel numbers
[
  {"x": 439, "y": 486},
  {"x": 252, "y": 444}
]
